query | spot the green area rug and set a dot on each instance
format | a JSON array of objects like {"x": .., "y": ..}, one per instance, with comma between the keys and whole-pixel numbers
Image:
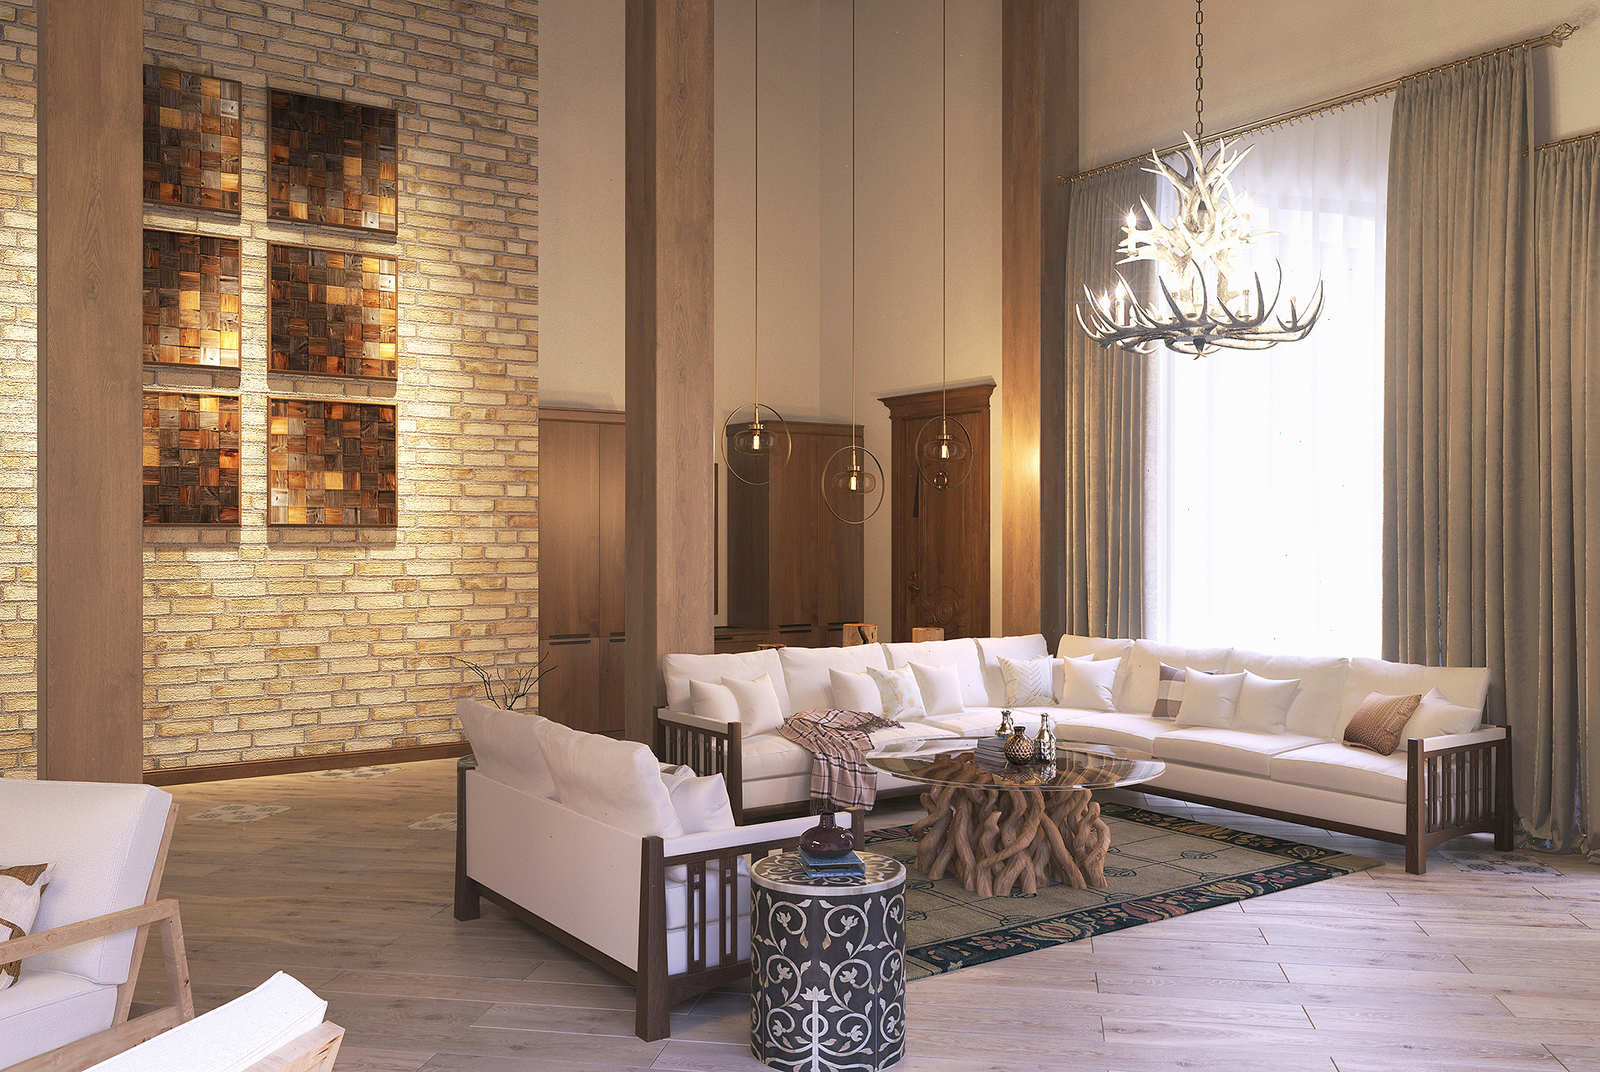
[{"x": 1158, "y": 867}]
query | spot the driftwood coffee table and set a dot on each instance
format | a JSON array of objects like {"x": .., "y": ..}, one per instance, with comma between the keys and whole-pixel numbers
[{"x": 997, "y": 826}]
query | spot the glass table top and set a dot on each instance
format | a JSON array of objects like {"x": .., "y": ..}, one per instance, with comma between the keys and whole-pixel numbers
[{"x": 949, "y": 761}]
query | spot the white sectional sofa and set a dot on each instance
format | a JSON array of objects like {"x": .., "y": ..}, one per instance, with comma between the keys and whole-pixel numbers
[{"x": 1437, "y": 786}]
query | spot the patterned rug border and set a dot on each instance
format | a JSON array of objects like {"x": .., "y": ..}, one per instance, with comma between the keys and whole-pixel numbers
[{"x": 1304, "y": 864}]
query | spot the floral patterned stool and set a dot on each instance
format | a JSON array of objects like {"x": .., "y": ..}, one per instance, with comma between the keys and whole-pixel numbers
[{"x": 827, "y": 966}]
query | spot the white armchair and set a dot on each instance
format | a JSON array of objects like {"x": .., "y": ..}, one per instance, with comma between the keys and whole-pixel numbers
[{"x": 69, "y": 1006}]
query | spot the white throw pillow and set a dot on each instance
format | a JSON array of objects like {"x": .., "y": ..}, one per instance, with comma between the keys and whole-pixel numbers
[
  {"x": 1264, "y": 704},
  {"x": 758, "y": 705},
  {"x": 506, "y": 746},
  {"x": 1210, "y": 700},
  {"x": 616, "y": 782},
  {"x": 1029, "y": 682},
  {"x": 714, "y": 701},
  {"x": 702, "y": 802},
  {"x": 1436, "y": 715},
  {"x": 902, "y": 699},
  {"x": 940, "y": 687},
  {"x": 1086, "y": 683},
  {"x": 855, "y": 692}
]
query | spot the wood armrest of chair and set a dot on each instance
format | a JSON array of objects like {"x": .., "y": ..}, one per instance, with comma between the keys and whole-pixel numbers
[
  {"x": 71, "y": 934},
  {"x": 1481, "y": 735},
  {"x": 699, "y": 722},
  {"x": 315, "y": 1051}
]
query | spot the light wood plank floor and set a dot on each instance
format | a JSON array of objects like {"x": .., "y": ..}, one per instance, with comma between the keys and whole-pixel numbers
[{"x": 1376, "y": 970}]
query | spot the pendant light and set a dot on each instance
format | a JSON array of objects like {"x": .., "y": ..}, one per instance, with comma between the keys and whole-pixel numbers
[
  {"x": 755, "y": 449},
  {"x": 852, "y": 479},
  {"x": 944, "y": 449}
]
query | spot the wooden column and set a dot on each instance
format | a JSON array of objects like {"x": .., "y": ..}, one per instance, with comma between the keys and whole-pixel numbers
[
  {"x": 1039, "y": 145},
  {"x": 90, "y": 642},
  {"x": 671, "y": 426}
]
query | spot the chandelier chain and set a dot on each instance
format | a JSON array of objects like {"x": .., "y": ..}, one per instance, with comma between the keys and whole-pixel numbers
[{"x": 1199, "y": 69}]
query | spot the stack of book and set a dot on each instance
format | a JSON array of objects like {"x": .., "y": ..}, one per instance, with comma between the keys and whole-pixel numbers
[{"x": 847, "y": 866}]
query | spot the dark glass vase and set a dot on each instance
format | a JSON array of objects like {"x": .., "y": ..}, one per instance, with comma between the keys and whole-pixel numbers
[{"x": 827, "y": 840}]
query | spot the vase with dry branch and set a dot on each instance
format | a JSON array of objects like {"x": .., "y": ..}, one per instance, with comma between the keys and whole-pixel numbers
[{"x": 508, "y": 684}]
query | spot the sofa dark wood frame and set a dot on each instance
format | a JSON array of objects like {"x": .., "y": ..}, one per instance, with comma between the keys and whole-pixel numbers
[
  {"x": 655, "y": 990},
  {"x": 1450, "y": 790}
]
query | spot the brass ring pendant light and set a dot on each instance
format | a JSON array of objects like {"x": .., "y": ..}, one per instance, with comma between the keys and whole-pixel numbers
[
  {"x": 852, "y": 479},
  {"x": 944, "y": 449},
  {"x": 757, "y": 449}
]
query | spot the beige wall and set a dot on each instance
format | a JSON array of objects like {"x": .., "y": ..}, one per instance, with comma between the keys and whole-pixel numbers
[
  {"x": 264, "y": 643},
  {"x": 1263, "y": 57}
]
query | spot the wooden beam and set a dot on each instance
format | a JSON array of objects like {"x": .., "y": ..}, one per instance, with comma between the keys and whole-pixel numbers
[
  {"x": 1039, "y": 144},
  {"x": 671, "y": 426},
  {"x": 90, "y": 674}
]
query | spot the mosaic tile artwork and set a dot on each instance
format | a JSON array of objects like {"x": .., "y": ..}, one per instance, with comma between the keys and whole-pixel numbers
[
  {"x": 330, "y": 462},
  {"x": 1497, "y": 863},
  {"x": 191, "y": 140},
  {"x": 191, "y": 459},
  {"x": 238, "y": 813},
  {"x": 444, "y": 820},
  {"x": 332, "y": 313},
  {"x": 332, "y": 162},
  {"x": 358, "y": 773},
  {"x": 191, "y": 299}
]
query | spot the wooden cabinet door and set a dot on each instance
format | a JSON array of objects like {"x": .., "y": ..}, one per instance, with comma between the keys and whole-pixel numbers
[
  {"x": 940, "y": 539},
  {"x": 570, "y": 692}
]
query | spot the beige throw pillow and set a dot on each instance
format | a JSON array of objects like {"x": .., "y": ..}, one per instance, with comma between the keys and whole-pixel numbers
[
  {"x": 1029, "y": 682},
  {"x": 19, "y": 904},
  {"x": 1379, "y": 721},
  {"x": 902, "y": 699},
  {"x": 1169, "y": 692}
]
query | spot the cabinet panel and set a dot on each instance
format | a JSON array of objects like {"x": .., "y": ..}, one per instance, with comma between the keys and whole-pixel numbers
[
  {"x": 569, "y": 528},
  {"x": 570, "y": 692},
  {"x": 613, "y": 682},
  {"x": 613, "y": 505}
]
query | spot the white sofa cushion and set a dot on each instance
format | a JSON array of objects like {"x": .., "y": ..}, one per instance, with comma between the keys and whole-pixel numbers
[
  {"x": 1264, "y": 704},
  {"x": 940, "y": 687},
  {"x": 1075, "y": 647},
  {"x": 1139, "y": 673},
  {"x": 678, "y": 670},
  {"x": 506, "y": 746},
  {"x": 1210, "y": 700},
  {"x": 855, "y": 692},
  {"x": 46, "y": 1009},
  {"x": 614, "y": 782},
  {"x": 701, "y": 803},
  {"x": 902, "y": 698},
  {"x": 1436, "y": 715},
  {"x": 1346, "y": 770},
  {"x": 973, "y": 722},
  {"x": 1322, "y": 681},
  {"x": 103, "y": 838},
  {"x": 962, "y": 651},
  {"x": 772, "y": 756},
  {"x": 1462, "y": 686},
  {"x": 806, "y": 672},
  {"x": 713, "y": 700},
  {"x": 1117, "y": 728},
  {"x": 890, "y": 734},
  {"x": 990, "y": 650},
  {"x": 1085, "y": 683},
  {"x": 1230, "y": 749},
  {"x": 760, "y": 711}
]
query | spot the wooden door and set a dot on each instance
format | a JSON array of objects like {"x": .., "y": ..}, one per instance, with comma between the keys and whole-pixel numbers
[{"x": 940, "y": 539}]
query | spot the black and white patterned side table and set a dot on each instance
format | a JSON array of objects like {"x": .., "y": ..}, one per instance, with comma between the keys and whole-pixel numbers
[{"x": 827, "y": 966}]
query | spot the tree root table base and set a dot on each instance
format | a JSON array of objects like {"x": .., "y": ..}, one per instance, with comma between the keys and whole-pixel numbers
[{"x": 997, "y": 836}]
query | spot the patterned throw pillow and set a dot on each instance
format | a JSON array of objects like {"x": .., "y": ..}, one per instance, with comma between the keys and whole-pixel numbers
[
  {"x": 1169, "y": 693},
  {"x": 1029, "y": 682},
  {"x": 19, "y": 904},
  {"x": 1378, "y": 722},
  {"x": 901, "y": 697}
]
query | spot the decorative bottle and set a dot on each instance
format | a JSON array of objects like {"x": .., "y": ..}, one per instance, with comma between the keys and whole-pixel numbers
[
  {"x": 827, "y": 840},
  {"x": 1004, "y": 729},
  {"x": 1019, "y": 749},
  {"x": 1044, "y": 743}
]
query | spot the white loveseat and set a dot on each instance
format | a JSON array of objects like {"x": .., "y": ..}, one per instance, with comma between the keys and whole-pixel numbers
[
  {"x": 588, "y": 840},
  {"x": 1436, "y": 787}
]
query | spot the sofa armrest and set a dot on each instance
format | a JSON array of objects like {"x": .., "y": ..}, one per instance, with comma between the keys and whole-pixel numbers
[
  {"x": 1457, "y": 783},
  {"x": 1444, "y": 741},
  {"x": 689, "y": 718},
  {"x": 314, "y": 1051},
  {"x": 707, "y": 746},
  {"x": 751, "y": 838}
]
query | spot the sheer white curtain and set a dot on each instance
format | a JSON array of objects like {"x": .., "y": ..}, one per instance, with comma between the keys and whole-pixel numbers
[{"x": 1269, "y": 465}]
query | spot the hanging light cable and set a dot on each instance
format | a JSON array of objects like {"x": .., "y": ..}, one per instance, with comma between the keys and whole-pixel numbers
[
  {"x": 852, "y": 480},
  {"x": 760, "y": 448},
  {"x": 943, "y": 447},
  {"x": 1202, "y": 305}
]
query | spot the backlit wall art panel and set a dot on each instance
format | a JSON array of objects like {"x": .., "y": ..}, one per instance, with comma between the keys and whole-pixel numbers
[
  {"x": 332, "y": 162},
  {"x": 330, "y": 462},
  {"x": 191, "y": 458},
  {"x": 191, "y": 140},
  {"x": 332, "y": 313},
  {"x": 191, "y": 299}
]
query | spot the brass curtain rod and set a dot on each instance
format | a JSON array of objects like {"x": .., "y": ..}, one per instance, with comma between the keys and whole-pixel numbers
[
  {"x": 1566, "y": 141},
  {"x": 1554, "y": 37}
]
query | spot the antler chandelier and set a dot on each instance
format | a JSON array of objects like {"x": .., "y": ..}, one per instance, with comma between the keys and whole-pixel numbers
[{"x": 1202, "y": 305}]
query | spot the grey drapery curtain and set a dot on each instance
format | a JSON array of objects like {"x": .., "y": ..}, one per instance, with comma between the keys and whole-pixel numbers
[
  {"x": 1559, "y": 742},
  {"x": 1107, "y": 435},
  {"x": 1461, "y": 423}
]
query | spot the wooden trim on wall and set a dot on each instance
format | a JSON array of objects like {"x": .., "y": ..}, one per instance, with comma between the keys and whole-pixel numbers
[
  {"x": 582, "y": 416},
  {"x": 1039, "y": 147},
  {"x": 261, "y": 768}
]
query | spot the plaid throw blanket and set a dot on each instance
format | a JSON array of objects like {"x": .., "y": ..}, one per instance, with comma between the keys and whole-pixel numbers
[{"x": 840, "y": 777}]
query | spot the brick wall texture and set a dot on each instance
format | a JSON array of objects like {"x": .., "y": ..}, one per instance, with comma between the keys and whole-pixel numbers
[{"x": 267, "y": 643}]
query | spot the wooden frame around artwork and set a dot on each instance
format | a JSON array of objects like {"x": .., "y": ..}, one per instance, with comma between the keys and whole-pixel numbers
[
  {"x": 331, "y": 162},
  {"x": 331, "y": 462},
  {"x": 190, "y": 457},
  {"x": 332, "y": 312}
]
